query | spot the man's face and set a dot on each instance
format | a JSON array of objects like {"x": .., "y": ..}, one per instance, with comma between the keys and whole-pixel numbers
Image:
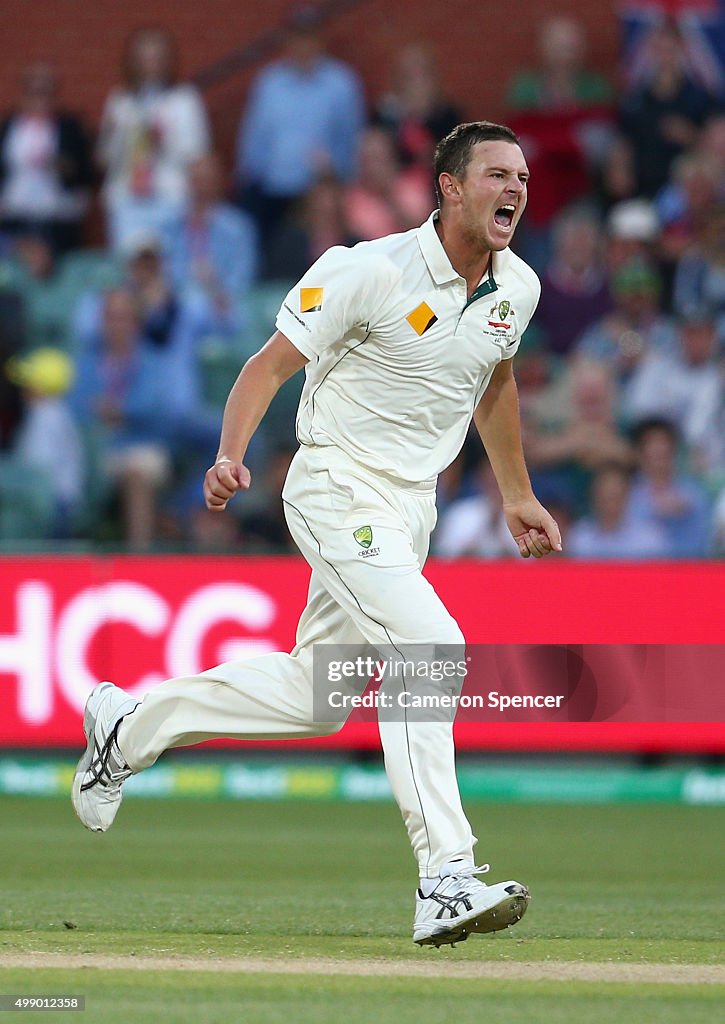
[
  {"x": 120, "y": 322},
  {"x": 493, "y": 193}
]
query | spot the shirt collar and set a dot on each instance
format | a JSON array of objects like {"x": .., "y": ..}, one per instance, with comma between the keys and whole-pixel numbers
[
  {"x": 440, "y": 266},
  {"x": 434, "y": 254}
]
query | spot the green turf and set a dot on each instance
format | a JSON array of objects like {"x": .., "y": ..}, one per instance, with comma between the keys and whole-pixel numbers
[
  {"x": 621, "y": 883},
  {"x": 173, "y": 998}
]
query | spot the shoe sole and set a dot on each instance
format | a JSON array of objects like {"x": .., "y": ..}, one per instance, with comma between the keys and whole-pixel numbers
[
  {"x": 503, "y": 915},
  {"x": 89, "y": 728}
]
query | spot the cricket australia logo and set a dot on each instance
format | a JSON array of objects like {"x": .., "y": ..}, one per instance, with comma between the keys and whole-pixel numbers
[
  {"x": 364, "y": 537},
  {"x": 497, "y": 317}
]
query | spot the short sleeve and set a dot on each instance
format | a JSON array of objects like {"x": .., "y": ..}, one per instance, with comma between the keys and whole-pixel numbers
[{"x": 344, "y": 289}]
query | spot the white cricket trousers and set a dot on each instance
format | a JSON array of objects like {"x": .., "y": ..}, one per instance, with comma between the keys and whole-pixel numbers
[{"x": 376, "y": 595}]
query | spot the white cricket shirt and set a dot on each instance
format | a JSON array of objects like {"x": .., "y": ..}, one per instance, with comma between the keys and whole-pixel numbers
[{"x": 399, "y": 357}]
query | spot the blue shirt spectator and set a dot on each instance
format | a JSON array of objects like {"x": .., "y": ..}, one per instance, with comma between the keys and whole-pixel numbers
[
  {"x": 677, "y": 503},
  {"x": 121, "y": 395},
  {"x": 121, "y": 383},
  {"x": 211, "y": 252},
  {"x": 612, "y": 531},
  {"x": 304, "y": 117}
]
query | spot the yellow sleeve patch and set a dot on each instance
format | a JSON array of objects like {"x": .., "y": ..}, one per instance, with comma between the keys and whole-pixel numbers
[
  {"x": 421, "y": 318},
  {"x": 311, "y": 300}
]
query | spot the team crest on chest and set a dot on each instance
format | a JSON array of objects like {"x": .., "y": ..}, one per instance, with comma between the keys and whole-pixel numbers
[{"x": 498, "y": 316}]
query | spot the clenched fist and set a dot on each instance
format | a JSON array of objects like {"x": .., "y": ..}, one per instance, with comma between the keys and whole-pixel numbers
[{"x": 223, "y": 481}]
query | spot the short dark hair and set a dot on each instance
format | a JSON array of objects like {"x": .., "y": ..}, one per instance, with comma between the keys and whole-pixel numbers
[
  {"x": 454, "y": 151},
  {"x": 655, "y": 424}
]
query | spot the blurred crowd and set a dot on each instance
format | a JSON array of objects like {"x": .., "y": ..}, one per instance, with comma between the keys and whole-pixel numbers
[{"x": 116, "y": 359}]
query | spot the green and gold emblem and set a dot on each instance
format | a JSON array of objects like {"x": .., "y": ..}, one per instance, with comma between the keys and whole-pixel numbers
[
  {"x": 504, "y": 309},
  {"x": 364, "y": 536}
]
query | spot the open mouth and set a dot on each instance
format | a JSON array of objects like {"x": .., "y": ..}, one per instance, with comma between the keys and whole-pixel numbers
[{"x": 504, "y": 216}]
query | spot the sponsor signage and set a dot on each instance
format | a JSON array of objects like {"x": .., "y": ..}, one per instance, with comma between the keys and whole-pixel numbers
[{"x": 66, "y": 622}]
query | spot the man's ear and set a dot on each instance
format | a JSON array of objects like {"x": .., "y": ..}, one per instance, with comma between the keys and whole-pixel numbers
[{"x": 448, "y": 185}]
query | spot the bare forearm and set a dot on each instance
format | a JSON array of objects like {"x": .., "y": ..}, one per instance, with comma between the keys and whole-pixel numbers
[
  {"x": 255, "y": 387},
  {"x": 499, "y": 426},
  {"x": 247, "y": 403}
]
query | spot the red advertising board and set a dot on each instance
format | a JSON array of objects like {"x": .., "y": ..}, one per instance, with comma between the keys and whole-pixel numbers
[{"x": 66, "y": 622}]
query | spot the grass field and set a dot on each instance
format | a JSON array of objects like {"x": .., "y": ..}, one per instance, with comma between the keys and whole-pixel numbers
[{"x": 249, "y": 892}]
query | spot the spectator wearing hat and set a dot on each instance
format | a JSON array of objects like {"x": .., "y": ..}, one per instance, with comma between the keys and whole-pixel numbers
[
  {"x": 635, "y": 325},
  {"x": 303, "y": 119},
  {"x": 633, "y": 231},
  {"x": 45, "y": 163},
  {"x": 47, "y": 443},
  {"x": 152, "y": 128}
]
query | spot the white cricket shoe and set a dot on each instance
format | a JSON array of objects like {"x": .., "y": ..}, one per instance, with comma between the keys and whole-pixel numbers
[
  {"x": 461, "y": 904},
  {"x": 96, "y": 792}
]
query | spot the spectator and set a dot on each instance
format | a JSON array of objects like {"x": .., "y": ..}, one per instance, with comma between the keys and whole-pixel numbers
[
  {"x": 563, "y": 454},
  {"x": 611, "y": 531},
  {"x": 384, "y": 198},
  {"x": 46, "y": 291},
  {"x": 712, "y": 138},
  {"x": 152, "y": 128},
  {"x": 574, "y": 291},
  {"x": 45, "y": 163},
  {"x": 562, "y": 79},
  {"x": 561, "y": 112},
  {"x": 700, "y": 273},
  {"x": 661, "y": 117},
  {"x": 686, "y": 203},
  {"x": 672, "y": 499},
  {"x": 122, "y": 389},
  {"x": 318, "y": 223},
  {"x": 633, "y": 232},
  {"x": 635, "y": 325},
  {"x": 48, "y": 445},
  {"x": 474, "y": 526},
  {"x": 415, "y": 111},
  {"x": 686, "y": 388},
  {"x": 303, "y": 120},
  {"x": 212, "y": 250},
  {"x": 614, "y": 177},
  {"x": 177, "y": 328}
]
